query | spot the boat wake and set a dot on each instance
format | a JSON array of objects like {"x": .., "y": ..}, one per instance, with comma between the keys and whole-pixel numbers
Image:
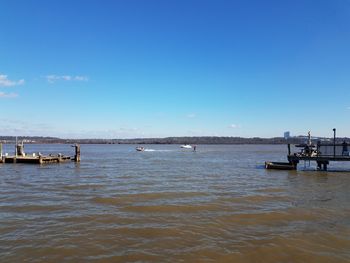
[{"x": 153, "y": 150}]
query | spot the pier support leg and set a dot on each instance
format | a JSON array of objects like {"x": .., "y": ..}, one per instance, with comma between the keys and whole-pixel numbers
[
  {"x": 288, "y": 149},
  {"x": 77, "y": 153},
  {"x": 325, "y": 167},
  {"x": 322, "y": 165}
]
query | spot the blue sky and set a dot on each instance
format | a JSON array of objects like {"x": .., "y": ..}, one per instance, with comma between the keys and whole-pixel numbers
[{"x": 137, "y": 68}]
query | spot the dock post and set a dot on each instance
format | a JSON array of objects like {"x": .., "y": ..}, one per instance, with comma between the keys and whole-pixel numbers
[
  {"x": 322, "y": 165},
  {"x": 0, "y": 150},
  {"x": 20, "y": 150},
  {"x": 319, "y": 165},
  {"x": 77, "y": 153},
  {"x": 288, "y": 148},
  {"x": 41, "y": 159},
  {"x": 295, "y": 164}
]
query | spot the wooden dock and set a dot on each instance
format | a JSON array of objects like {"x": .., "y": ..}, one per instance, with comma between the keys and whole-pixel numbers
[
  {"x": 35, "y": 159},
  {"x": 21, "y": 157}
]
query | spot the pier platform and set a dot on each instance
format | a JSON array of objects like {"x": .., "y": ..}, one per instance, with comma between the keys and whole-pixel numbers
[
  {"x": 322, "y": 161},
  {"x": 21, "y": 157},
  {"x": 322, "y": 153},
  {"x": 36, "y": 159}
]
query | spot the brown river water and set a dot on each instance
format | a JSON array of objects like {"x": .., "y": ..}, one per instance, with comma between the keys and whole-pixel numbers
[{"x": 171, "y": 205}]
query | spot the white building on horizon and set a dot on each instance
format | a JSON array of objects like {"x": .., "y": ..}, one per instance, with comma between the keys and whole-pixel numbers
[{"x": 286, "y": 135}]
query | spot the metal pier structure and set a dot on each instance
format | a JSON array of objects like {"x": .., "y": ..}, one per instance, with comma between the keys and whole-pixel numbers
[
  {"x": 322, "y": 156},
  {"x": 321, "y": 153}
]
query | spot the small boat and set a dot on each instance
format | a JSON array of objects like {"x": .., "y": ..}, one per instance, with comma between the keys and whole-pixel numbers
[
  {"x": 279, "y": 166},
  {"x": 140, "y": 149},
  {"x": 186, "y": 146}
]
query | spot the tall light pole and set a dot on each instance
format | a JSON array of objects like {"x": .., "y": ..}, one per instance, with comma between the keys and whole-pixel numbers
[
  {"x": 334, "y": 130},
  {"x": 16, "y": 147}
]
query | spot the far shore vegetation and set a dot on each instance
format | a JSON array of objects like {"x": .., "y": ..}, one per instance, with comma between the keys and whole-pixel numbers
[{"x": 167, "y": 140}]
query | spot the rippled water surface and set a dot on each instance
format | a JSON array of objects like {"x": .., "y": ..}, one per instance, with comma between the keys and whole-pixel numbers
[{"x": 171, "y": 205}]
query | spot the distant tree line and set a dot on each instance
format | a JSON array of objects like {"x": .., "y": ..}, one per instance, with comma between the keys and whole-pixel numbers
[{"x": 168, "y": 140}]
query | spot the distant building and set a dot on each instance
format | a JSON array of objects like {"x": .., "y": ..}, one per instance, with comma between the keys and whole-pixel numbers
[{"x": 286, "y": 135}]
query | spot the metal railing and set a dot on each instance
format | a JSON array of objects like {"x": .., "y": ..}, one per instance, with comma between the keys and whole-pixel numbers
[{"x": 335, "y": 150}]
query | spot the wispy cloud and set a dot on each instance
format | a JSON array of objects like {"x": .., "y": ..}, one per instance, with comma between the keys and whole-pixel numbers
[
  {"x": 5, "y": 82},
  {"x": 122, "y": 132},
  {"x": 234, "y": 126},
  {"x": 124, "y": 129},
  {"x": 25, "y": 128},
  {"x": 191, "y": 115},
  {"x": 348, "y": 108},
  {"x": 8, "y": 95},
  {"x": 195, "y": 132},
  {"x": 54, "y": 78}
]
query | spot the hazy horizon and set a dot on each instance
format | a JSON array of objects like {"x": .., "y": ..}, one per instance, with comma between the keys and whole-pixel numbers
[{"x": 160, "y": 138}]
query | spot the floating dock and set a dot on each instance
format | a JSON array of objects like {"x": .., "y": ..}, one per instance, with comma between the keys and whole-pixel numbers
[{"x": 21, "y": 157}]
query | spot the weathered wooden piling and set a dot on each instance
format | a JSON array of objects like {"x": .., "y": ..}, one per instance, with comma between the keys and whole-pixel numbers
[
  {"x": 77, "y": 153},
  {"x": 20, "y": 149}
]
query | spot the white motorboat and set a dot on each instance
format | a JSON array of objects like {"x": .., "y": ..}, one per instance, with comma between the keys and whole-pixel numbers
[
  {"x": 186, "y": 146},
  {"x": 140, "y": 149}
]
